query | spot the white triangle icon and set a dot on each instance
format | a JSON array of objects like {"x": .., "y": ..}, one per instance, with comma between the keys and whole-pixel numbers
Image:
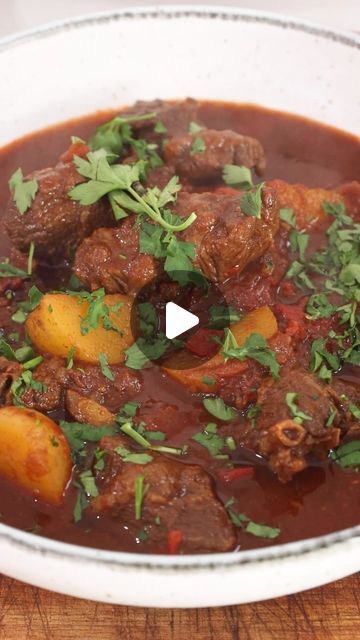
[{"x": 178, "y": 320}]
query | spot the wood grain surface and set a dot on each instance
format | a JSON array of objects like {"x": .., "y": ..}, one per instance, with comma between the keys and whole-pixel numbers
[{"x": 328, "y": 613}]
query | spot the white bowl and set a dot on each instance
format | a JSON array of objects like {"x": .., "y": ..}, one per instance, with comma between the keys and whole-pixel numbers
[{"x": 72, "y": 68}]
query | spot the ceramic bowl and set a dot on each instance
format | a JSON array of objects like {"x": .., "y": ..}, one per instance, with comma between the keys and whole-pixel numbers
[{"x": 72, "y": 68}]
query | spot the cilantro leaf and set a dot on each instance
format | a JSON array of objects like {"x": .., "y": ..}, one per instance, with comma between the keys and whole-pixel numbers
[
  {"x": 23, "y": 191},
  {"x": 194, "y": 127},
  {"x": 222, "y": 315},
  {"x": 135, "y": 458}
]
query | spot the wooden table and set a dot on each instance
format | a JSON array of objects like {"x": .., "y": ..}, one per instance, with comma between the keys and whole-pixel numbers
[{"x": 329, "y": 613}]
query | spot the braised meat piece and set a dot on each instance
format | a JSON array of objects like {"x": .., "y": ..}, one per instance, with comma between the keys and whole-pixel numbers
[
  {"x": 284, "y": 435},
  {"x": 175, "y": 116},
  {"x": 52, "y": 374},
  {"x": 54, "y": 222},
  {"x": 307, "y": 204},
  {"x": 110, "y": 258},
  {"x": 89, "y": 381},
  {"x": 226, "y": 239},
  {"x": 201, "y": 156},
  {"x": 86, "y": 380},
  {"x": 9, "y": 371},
  {"x": 179, "y": 498}
]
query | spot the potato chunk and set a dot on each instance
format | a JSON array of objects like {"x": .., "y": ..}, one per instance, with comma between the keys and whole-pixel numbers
[
  {"x": 34, "y": 453},
  {"x": 260, "y": 321},
  {"x": 55, "y": 326}
]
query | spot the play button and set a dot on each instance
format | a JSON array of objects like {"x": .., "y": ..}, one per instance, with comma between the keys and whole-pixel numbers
[
  {"x": 178, "y": 326},
  {"x": 178, "y": 320}
]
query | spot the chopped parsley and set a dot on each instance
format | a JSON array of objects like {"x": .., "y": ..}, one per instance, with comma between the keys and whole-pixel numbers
[
  {"x": 210, "y": 439},
  {"x": 22, "y": 191},
  {"x": 194, "y": 127},
  {"x": 238, "y": 177},
  {"x": 120, "y": 181},
  {"x": 88, "y": 482},
  {"x": 70, "y": 358},
  {"x": 105, "y": 369},
  {"x": 130, "y": 456},
  {"x": 30, "y": 258},
  {"x": 116, "y": 134},
  {"x": 8, "y": 270},
  {"x": 347, "y": 455},
  {"x": 160, "y": 127},
  {"x": 254, "y": 347},
  {"x": 217, "y": 407},
  {"x": 198, "y": 146},
  {"x": 222, "y": 315},
  {"x": 250, "y": 201},
  {"x": 24, "y": 382},
  {"x": 98, "y": 312},
  {"x": 140, "y": 492},
  {"x": 249, "y": 526},
  {"x": 296, "y": 413},
  {"x": 78, "y": 434},
  {"x": 322, "y": 361},
  {"x": 288, "y": 216}
]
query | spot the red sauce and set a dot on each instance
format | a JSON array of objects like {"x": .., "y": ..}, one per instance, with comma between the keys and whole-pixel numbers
[{"x": 321, "y": 499}]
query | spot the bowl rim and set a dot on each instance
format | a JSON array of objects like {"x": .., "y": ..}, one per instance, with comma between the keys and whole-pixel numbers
[{"x": 43, "y": 546}]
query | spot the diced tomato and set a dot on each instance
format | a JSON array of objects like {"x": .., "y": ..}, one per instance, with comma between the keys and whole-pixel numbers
[
  {"x": 202, "y": 343},
  {"x": 174, "y": 541},
  {"x": 75, "y": 149},
  {"x": 234, "y": 474},
  {"x": 288, "y": 288}
]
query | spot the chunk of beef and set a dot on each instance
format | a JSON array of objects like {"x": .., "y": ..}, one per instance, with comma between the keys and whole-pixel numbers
[
  {"x": 307, "y": 204},
  {"x": 89, "y": 381},
  {"x": 226, "y": 239},
  {"x": 54, "y": 222},
  {"x": 180, "y": 495},
  {"x": 85, "y": 379},
  {"x": 52, "y": 374},
  {"x": 279, "y": 435},
  {"x": 110, "y": 258},
  {"x": 9, "y": 371},
  {"x": 175, "y": 116},
  {"x": 219, "y": 148}
]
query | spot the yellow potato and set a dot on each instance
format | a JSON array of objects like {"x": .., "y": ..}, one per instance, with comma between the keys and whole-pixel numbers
[
  {"x": 34, "y": 453},
  {"x": 55, "y": 327},
  {"x": 261, "y": 321}
]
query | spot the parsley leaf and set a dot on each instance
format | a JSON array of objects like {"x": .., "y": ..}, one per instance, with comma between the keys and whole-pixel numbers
[
  {"x": 106, "y": 371},
  {"x": 194, "y": 127},
  {"x": 135, "y": 458},
  {"x": 249, "y": 526},
  {"x": 210, "y": 439},
  {"x": 254, "y": 347},
  {"x": 9, "y": 270},
  {"x": 78, "y": 434},
  {"x": 140, "y": 492},
  {"x": 250, "y": 201},
  {"x": 298, "y": 415},
  {"x": 288, "y": 216},
  {"x": 23, "y": 192},
  {"x": 238, "y": 177},
  {"x": 347, "y": 455},
  {"x": 198, "y": 146},
  {"x": 217, "y": 407},
  {"x": 88, "y": 482},
  {"x": 222, "y": 315}
]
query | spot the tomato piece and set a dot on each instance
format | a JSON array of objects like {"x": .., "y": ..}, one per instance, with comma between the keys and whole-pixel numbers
[
  {"x": 174, "y": 541},
  {"x": 234, "y": 474},
  {"x": 202, "y": 343}
]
